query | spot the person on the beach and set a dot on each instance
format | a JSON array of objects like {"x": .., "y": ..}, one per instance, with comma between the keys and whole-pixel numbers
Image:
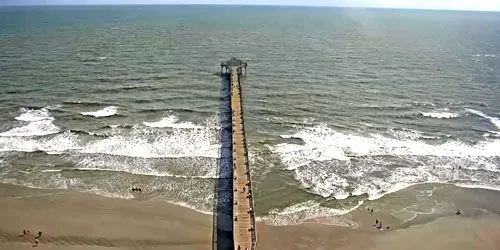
[
  {"x": 36, "y": 243},
  {"x": 371, "y": 211}
]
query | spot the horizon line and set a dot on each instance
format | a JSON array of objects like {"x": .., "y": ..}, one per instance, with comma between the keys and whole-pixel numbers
[{"x": 239, "y": 4}]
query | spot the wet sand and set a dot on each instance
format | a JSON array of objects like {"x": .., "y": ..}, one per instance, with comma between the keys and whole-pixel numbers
[{"x": 71, "y": 220}]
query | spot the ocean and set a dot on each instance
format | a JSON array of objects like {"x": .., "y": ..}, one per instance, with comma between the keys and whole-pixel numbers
[{"x": 342, "y": 106}]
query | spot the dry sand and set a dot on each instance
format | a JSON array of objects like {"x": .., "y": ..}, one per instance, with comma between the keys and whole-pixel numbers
[{"x": 71, "y": 220}]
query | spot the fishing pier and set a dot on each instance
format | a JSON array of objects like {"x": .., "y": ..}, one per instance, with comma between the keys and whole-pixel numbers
[{"x": 244, "y": 235}]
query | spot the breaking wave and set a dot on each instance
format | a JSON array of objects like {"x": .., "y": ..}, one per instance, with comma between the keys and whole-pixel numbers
[
  {"x": 137, "y": 142},
  {"x": 38, "y": 123},
  {"x": 440, "y": 115},
  {"x": 176, "y": 144},
  {"x": 494, "y": 120},
  {"x": 105, "y": 112},
  {"x": 308, "y": 210},
  {"x": 335, "y": 164},
  {"x": 171, "y": 122}
]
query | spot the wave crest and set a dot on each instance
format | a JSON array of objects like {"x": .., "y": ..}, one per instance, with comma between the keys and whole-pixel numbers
[
  {"x": 39, "y": 123},
  {"x": 494, "y": 120},
  {"x": 105, "y": 112},
  {"x": 171, "y": 122},
  {"x": 334, "y": 164},
  {"x": 440, "y": 115}
]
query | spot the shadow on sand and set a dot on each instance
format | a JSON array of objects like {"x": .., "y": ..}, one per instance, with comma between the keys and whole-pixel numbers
[{"x": 222, "y": 238}]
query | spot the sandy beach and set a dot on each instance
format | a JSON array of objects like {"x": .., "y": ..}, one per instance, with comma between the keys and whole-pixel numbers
[{"x": 72, "y": 220}]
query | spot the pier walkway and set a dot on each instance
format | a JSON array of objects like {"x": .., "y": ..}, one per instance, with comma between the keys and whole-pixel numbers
[{"x": 244, "y": 235}]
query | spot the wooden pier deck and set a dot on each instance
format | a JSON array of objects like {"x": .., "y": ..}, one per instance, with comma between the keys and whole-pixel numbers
[{"x": 243, "y": 212}]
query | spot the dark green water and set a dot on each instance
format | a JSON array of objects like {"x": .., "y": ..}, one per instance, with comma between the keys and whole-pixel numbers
[{"x": 337, "y": 101}]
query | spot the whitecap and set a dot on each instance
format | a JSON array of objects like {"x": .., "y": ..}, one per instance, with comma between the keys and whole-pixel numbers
[
  {"x": 172, "y": 144},
  {"x": 39, "y": 123},
  {"x": 31, "y": 115},
  {"x": 323, "y": 143},
  {"x": 407, "y": 134},
  {"x": 58, "y": 144},
  {"x": 38, "y": 128},
  {"x": 105, "y": 112},
  {"x": 171, "y": 122},
  {"x": 176, "y": 144},
  {"x": 440, "y": 115},
  {"x": 324, "y": 166},
  {"x": 494, "y": 120}
]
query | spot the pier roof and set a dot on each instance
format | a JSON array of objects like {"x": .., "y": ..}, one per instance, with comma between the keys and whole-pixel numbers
[{"x": 234, "y": 62}]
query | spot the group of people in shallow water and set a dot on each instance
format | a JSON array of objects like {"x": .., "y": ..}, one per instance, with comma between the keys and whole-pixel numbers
[
  {"x": 378, "y": 223},
  {"x": 136, "y": 189},
  {"x": 26, "y": 233}
]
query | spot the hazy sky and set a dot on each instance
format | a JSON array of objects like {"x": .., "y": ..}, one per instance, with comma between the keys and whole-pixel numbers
[{"x": 492, "y": 5}]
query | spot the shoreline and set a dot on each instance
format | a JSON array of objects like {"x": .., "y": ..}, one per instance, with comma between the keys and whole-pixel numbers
[
  {"x": 362, "y": 203},
  {"x": 74, "y": 220}
]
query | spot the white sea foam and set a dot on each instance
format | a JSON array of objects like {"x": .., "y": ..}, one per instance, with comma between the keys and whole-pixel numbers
[
  {"x": 32, "y": 115},
  {"x": 107, "y": 111},
  {"x": 122, "y": 195},
  {"x": 496, "y": 188},
  {"x": 39, "y": 123},
  {"x": 494, "y": 120},
  {"x": 308, "y": 210},
  {"x": 60, "y": 143},
  {"x": 37, "y": 128},
  {"x": 178, "y": 143},
  {"x": 323, "y": 143},
  {"x": 50, "y": 170},
  {"x": 485, "y": 55},
  {"x": 440, "y": 115},
  {"x": 171, "y": 122},
  {"x": 186, "y": 205},
  {"x": 133, "y": 171},
  {"x": 324, "y": 166},
  {"x": 407, "y": 134}
]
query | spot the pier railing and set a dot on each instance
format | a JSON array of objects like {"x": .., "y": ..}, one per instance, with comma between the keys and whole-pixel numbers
[{"x": 244, "y": 234}]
